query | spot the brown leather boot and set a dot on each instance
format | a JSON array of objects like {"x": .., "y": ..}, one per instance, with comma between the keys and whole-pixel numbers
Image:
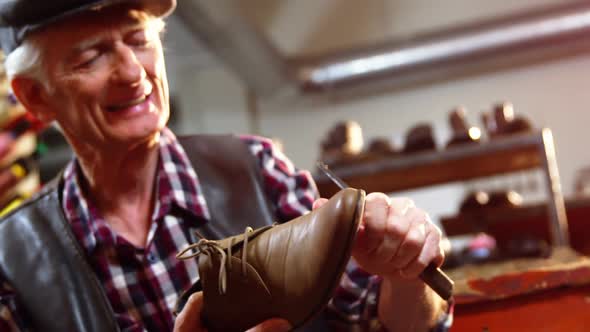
[
  {"x": 284, "y": 271},
  {"x": 420, "y": 138},
  {"x": 463, "y": 133}
]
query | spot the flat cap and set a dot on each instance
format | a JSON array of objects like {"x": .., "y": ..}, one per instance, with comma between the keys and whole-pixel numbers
[{"x": 20, "y": 17}]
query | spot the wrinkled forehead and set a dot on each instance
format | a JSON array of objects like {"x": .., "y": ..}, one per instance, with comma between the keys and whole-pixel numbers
[
  {"x": 61, "y": 38},
  {"x": 92, "y": 24}
]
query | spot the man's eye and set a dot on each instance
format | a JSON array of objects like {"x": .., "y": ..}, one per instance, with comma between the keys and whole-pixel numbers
[{"x": 87, "y": 58}]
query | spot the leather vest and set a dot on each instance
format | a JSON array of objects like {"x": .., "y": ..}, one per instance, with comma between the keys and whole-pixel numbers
[{"x": 55, "y": 285}]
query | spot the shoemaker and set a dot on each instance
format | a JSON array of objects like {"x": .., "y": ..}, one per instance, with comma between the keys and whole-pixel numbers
[{"x": 96, "y": 249}]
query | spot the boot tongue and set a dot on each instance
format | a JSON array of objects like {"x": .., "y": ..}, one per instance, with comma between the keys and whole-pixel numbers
[{"x": 237, "y": 241}]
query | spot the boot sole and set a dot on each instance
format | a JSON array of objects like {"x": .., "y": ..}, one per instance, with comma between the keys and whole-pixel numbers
[{"x": 358, "y": 214}]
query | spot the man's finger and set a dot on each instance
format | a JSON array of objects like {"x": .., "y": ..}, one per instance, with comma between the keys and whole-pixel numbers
[
  {"x": 401, "y": 205},
  {"x": 375, "y": 220},
  {"x": 410, "y": 247},
  {"x": 395, "y": 231},
  {"x": 430, "y": 252},
  {"x": 189, "y": 318}
]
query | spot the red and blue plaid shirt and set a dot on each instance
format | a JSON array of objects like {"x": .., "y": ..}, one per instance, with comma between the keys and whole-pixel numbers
[{"x": 143, "y": 284}]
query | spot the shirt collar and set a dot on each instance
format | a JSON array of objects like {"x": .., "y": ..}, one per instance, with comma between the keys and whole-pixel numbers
[
  {"x": 177, "y": 182},
  {"x": 177, "y": 186}
]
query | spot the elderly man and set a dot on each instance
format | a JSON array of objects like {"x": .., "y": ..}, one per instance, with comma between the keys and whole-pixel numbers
[{"x": 95, "y": 250}]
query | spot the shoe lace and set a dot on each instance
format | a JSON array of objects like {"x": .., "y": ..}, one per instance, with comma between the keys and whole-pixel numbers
[{"x": 209, "y": 248}]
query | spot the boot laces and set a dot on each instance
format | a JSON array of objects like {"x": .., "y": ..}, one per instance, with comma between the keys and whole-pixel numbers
[{"x": 209, "y": 248}]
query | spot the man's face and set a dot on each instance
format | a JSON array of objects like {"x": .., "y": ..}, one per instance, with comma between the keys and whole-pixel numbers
[{"x": 107, "y": 79}]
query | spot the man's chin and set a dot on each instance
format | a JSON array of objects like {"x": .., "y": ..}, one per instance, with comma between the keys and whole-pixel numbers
[{"x": 135, "y": 137}]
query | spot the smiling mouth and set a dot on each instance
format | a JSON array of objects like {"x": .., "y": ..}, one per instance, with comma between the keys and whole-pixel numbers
[{"x": 131, "y": 103}]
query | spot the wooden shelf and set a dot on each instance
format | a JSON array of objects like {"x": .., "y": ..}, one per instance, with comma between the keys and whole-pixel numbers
[
  {"x": 498, "y": 156},
  {"x": 476, "y": 221},
  {"x": 458, "y": 163},
  {"x": 527, "y": 221}
]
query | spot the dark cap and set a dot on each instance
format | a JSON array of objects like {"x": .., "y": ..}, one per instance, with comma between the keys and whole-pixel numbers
[{"x": 20, "y": 17}]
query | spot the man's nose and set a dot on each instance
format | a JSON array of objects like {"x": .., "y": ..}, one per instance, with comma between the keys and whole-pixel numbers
[{"x": 127, "y": 67}]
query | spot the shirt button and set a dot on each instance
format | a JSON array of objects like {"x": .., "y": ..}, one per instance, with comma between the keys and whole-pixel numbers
[{"x": 151, "y": 258}]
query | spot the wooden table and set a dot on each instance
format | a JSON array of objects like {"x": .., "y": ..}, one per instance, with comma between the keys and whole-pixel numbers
[{"x": 524, "y": 295}]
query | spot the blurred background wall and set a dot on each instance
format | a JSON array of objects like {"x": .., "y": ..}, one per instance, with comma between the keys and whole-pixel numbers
[{"x": 211, "y": 99}]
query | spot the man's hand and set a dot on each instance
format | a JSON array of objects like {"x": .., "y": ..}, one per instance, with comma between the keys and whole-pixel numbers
[
  {"x": 395, "y": 238},
  {"x": 189, "y": 320},
  {"x": 397, "y": 241}
]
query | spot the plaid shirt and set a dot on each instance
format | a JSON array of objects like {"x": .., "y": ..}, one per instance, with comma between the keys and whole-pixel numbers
[{"x": 143, "y": 284}]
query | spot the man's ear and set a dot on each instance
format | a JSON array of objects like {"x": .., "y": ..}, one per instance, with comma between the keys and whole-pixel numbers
[{"x": 33, "y": 95}]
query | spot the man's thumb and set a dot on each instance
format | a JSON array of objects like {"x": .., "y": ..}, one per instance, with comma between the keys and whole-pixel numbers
[{"x": 319, "y": 202}]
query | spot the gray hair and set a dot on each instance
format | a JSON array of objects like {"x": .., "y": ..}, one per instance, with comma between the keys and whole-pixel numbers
[{"x": 26, "y": 60}]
